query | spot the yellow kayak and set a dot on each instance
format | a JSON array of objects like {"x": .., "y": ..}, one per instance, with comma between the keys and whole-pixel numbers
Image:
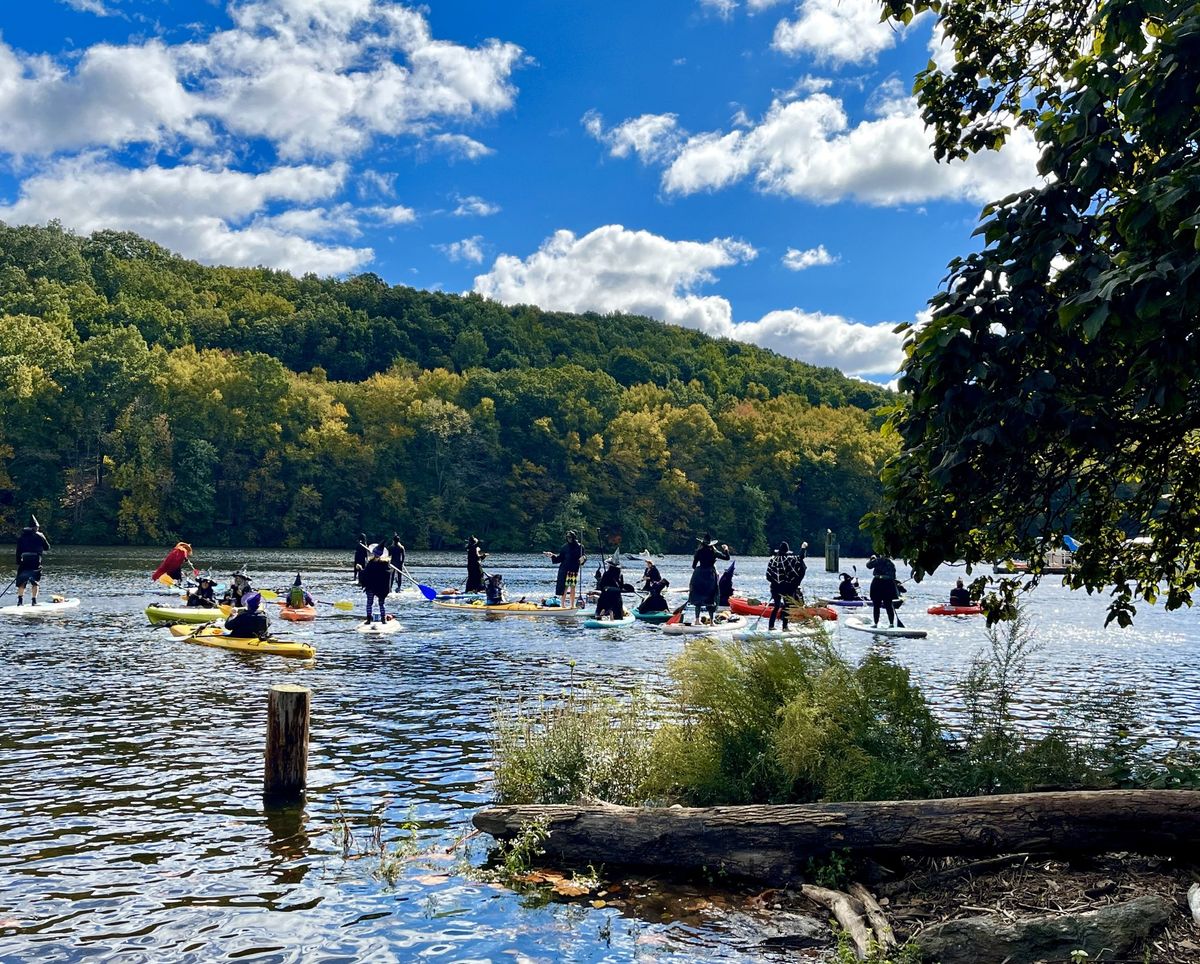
[
  {"x": 514, "y": 608},
  {"x": 171, "y": 615},
  {"x": 214, "y": 636}
]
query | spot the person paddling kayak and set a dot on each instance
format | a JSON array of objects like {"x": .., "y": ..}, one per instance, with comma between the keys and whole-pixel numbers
[
  {"x": 31, "y": 543},
  {"x": 204, "y": 596},
  {"x": 250, "y": 622},
  {"x": 475, "y": 557},
  {"x": 297, "y": 596},
  {"x": 725, "y": 585},
  {"x": 703, "y": 588},
  {"x": 239, "y": 588},
  {"x": 884, "y": 591},
  {"x": 848, "y": 589},
  {"x": 959, "y": 595},
  {"x": 651, "y": 575},
  {"x": 570, "y": 559}
]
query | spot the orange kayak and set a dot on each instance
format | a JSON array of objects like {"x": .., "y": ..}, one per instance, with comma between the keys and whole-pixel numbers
[
  {"x": 744, "y": 607},
  {"x": 302, "y": 615}
]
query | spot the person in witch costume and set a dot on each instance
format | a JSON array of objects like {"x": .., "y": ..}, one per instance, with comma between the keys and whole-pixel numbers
[{"x": 703, "y": 589}]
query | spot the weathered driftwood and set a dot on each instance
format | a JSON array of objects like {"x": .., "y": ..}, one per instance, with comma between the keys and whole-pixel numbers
[
  {"x": 884, "y": 935},
  {"x": 773, "y": 842},
  {"x": 844, "y": 911},
  {"x": 1193, "y": 902}
]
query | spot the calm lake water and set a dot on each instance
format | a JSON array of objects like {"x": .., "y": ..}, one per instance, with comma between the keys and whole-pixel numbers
[{"x": 131, "y": 822}]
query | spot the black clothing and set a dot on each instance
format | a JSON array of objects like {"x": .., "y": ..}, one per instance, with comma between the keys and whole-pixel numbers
[
  {"x": 785, "y": 572},
  {"x": 612, "y": 583},
  {"x": 248, "y": 625},
  {"x": 30, "y": 546},
  {"x": 847, "y": 590},
  {"x": 703, "y": 588},
  {"x": 494, "y": 587},
  {"x": 960, "y": 596},
  {"x": 725, "y": 586},
  {"x": 650, "y": 577},
  {"x": 377, "y": 577},
  {"x": 204, "y": 597},
  {"x": 569, "y": 559},
  {"x": 397, "y": 551},
  {"x": 882, "y": 566},
  {"x": 884, "y": 591},
  {"x": 655, "y": 602},
  {"x": 360, "y": 560},
  {"x": 475, "y": 557}
]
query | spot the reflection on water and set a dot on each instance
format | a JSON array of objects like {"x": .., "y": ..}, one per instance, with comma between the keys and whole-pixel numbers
[{"x": 131, "y": 820}]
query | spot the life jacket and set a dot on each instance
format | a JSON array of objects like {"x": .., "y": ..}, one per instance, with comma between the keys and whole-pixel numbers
[{"x": 295, "y": 598}]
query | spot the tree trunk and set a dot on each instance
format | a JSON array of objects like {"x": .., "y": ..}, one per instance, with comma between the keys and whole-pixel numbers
[{"x": 773, "y": 842}]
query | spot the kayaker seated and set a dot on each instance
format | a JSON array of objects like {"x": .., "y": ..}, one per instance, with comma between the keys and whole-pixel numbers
[
  {"x": 297, "y": 598},
  {"x": 493, "y": 586},
  {"x": 655, "y": 602},
  {"x": 251, "y": 622},
  {"x": 960, "y": 596},
  {"x": 239, "y": 588},
  {"x": 204, "y": 596},
  {"x": 725, "y": 585},
  {"x": 612, "y": 584},
  {"x": 848, "y": 589}
]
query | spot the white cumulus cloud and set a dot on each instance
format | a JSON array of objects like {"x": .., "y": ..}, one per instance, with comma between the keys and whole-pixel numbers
[
  {"x": 468, "y": 249},
  {"x": 807, "y": 147},
  {"x": 614, "y": 269},
  {"x": 473, "y": 206},
  {"x": 798, "y": 260},
  {"x": 836, "y": 31}
]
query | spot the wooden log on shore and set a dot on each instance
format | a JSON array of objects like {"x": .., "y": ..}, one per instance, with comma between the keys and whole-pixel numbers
[
  {"x": 285, "y": 774},
  {"x": 773, "y": 842},
  {"x": 845, "y": 913}
]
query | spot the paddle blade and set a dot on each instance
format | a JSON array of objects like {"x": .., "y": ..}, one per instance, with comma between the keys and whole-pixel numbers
[
  {"x": 268, "y": 595},
  {"x": 165, "y": 580},
  {"x": 226, "y": 609},
  {"x": 427, "y": 591},
  {"x": 345, "y": 605}
]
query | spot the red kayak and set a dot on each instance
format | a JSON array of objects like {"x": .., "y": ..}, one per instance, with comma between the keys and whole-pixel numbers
[
  {"x": 943, "y": 609},
  {"x": 743, "y": 607}
]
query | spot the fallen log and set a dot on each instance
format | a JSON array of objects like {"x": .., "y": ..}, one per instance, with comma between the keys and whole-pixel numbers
[
  {"x": 773, "y": 842},
  {"x": 885, "y": 937},
  {"x": 845, "y": 913}
]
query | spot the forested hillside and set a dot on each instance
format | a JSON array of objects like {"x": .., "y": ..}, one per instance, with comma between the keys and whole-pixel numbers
[{"x": 145, "y": 397}]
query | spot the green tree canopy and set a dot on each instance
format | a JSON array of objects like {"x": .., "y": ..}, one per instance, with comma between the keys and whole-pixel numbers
[{"x": 1055, "y": 390}]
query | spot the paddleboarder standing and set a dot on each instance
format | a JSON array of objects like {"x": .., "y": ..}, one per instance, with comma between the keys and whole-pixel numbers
[
  {"x": 31, "y": 543},
  {"x": 570, "y": 559}
]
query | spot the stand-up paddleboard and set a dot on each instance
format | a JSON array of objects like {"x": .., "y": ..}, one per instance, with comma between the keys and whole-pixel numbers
[
  {"x": 508, "y": 609},
  {"x": 807, "y": 632},
  {"x": 41, "y": 609},
  {"x": 610, "y": 623},
  {"x": 902, "y": 632},
  {"x": 377, "y": 628},
  {"x": 729, "y": 625},
  {"x": 948, "y": 610}
]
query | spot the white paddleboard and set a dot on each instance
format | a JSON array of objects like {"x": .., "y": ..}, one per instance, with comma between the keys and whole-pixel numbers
[
  {"x": 41, "y": 609},
  {"x": 730, "y": 625},
  {"x": 379, "y": 629},
  {"x": 763, "y": 633},
  {"x": 883, "y": 630}
]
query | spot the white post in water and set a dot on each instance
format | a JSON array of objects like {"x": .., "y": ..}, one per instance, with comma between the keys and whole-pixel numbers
[
  {"x": 831, "y": 551},
  {"x": 286, "y": 772}
]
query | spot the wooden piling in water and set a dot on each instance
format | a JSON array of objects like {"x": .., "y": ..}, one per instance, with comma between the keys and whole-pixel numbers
[
  {"x": 832, "y": 551},
  {"x": 286, "y": 772}
]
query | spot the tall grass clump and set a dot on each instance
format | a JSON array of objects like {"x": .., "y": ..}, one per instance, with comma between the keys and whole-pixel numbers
[
  {"x": 776, "y": 720},
  {"x": 581, "y": 746}
]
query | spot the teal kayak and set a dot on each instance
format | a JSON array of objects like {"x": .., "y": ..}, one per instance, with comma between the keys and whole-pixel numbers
[
  {"x": 661, "y": 617},
  {"x": 625, "y": 620}
]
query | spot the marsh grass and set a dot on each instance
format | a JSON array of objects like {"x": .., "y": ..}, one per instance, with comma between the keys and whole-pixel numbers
[{"x": 777, "y": 720}]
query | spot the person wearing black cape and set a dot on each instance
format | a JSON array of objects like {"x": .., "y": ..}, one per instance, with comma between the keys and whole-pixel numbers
[
  {"x": 884, "y": 589},
  {"x": 475, "y": 557},
  {"x": 397, "y": 552},
  {"x": 360, "y": 557},
  {"x": 655, "y": 601},
  {"x": 570, "y": 559},
  {"x": 704, "y": 586},
  {"x": 612, "y": 584}
]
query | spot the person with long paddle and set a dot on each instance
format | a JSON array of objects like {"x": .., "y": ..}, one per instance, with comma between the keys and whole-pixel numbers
[
  {"x": 704, "y": 586},
  {"x": 884, "y": 589},
  {"x": 377, "y": 581},
  {"x": 783, "y": 576},
  {"x": 31, "y": 543},
  {"x": 398, "y": 553},
  {"x": 170, "y": 570},
  {"x": 249, "y": 622},
  {"x": 570, "y": 560},
  {"x": 204, "y": 596}
]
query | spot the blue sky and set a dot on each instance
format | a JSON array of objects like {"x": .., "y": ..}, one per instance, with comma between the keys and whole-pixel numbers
[{"x": 751, "y": 168}]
